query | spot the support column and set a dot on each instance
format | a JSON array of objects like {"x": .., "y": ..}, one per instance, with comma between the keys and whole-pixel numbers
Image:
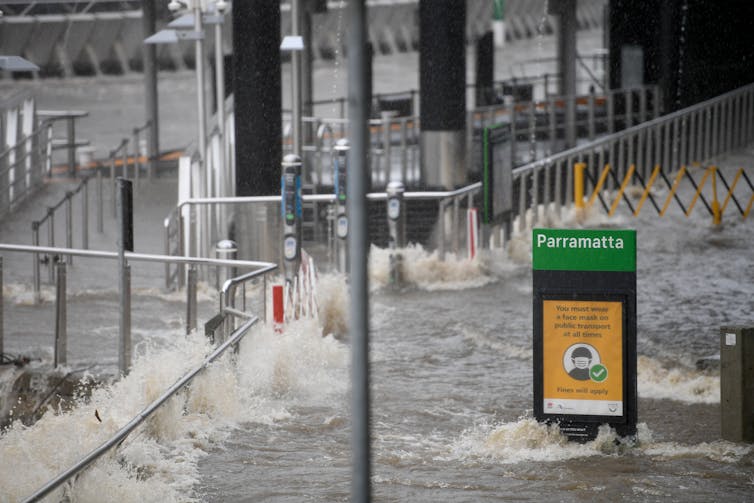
[
  {"x": 258, "y": 130},
  {"x": 256, "y": 89},
  {"x": 149, "y": 26},
  {"x": 565, "y": 10},
  {"x": 442, "y": 52}
]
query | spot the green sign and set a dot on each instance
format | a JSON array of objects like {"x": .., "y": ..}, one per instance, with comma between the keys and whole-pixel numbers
[{"x": 583, "y": 250}]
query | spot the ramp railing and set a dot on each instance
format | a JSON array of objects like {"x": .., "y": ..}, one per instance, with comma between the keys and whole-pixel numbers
[{"x": 643, "y": 155}]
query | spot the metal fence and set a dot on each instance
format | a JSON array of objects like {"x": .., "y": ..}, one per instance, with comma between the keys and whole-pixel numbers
[
  {"x": 228, "y": 336},
  {"x": 26, "y": 152},
  {"x": 690, "y": 136}
]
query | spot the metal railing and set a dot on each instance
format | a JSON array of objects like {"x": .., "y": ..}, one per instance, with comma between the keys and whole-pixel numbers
[
  {"x": 693, "y": 135},
  {"x": 183, "y": 235},
  {"x": 26, "y": 151},
  {"x": 231, "y": 334}
]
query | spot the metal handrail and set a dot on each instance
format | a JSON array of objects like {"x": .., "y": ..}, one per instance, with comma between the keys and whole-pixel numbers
[
  {"x": 659, "y": 121},
  {"x": 143, "y": 257},
  {"x": 126, "y": 430}
]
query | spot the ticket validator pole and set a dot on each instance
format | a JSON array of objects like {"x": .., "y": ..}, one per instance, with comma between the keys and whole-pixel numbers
[
  {"x": 290, "y": 186},
  {"x": 340, "y": 170},
  {"x": 396, "y": 223},
  {"x": 584, "y": 292}
]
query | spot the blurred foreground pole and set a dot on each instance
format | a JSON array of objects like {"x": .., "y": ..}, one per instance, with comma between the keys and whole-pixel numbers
[
  {"x": 358, "y": 99},
  {"x": 149, "y": 26}
]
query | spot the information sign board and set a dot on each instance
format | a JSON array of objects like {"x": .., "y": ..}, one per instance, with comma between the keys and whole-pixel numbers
[{"x": 585, "y": 329}]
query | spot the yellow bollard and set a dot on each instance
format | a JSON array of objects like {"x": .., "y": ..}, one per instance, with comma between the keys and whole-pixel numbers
[
  {"x": 578, "y": 184},
  {"x": 717, "y": 216}
]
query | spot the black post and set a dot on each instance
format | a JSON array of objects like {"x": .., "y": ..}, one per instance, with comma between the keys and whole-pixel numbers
[
  {"x": 256, "y": 88},
  {"x": 485, "y": 70}
]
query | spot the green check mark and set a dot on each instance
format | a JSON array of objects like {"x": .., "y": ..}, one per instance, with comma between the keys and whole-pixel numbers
[{"x": 598, "y": 373}]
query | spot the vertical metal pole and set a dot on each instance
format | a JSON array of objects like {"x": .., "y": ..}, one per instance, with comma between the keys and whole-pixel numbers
[
  {"x": 71, "y": 147},
  {"x": 137, "y": 153},
  {"x": 51, "y": 244},
  {"x": 100, "y": 205},
  {"x": 69, "y": 222},
  {"x": 191, "y": 300},
  {"x": 358, "y": 252},
  {"x": 296, "y": 14},
  {"x": 61, "y": 333},
  {"x": 35, "y": 258},
  {"x": 124, "y": 243},
  {"x": 113, "y": 204},
  {"x": 591, "y": 127},
  {"x": 201, "y": 109},
  {"x": 610, "y": 112},
  {"x": 149, "y": 25},
  {"x": 220, "y": 97},
  {"x": 85, "y": 215}
]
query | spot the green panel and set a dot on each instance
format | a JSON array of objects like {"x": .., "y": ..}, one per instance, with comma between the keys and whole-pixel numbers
[{"x": 584, "y": 250}]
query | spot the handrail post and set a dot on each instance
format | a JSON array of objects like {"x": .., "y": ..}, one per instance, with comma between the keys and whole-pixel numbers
[
  {"x": 85, "y": 214},
  {"x": 61, "y": 318},
  {"x": 191, "y": 300},
  {"x": 113, "y": 154},
  {"x": 35, "y": 259},
  {"x": 456, "y": 225},
  {"x": 100, "y": 207},
  {"x": 69, "y": 222},
  {"x": 137, "y": 165},
  {"x": 51, "y": 243},
  {"x": 441, "y": 229}
]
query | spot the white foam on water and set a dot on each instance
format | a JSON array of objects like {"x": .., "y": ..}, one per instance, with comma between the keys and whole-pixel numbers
[
  {"x": 677, "y": 383},
  {"x": 159, "y": 460},
  {"x": 426, "y": 271},
  {"x": 527, "y": 440}
]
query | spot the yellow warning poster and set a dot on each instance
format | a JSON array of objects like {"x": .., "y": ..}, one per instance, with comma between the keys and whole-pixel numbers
[{"x": 583, "y": 357}]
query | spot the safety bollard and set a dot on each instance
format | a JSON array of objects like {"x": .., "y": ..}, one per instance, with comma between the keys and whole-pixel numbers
[
  {"x": 578, "y": 184},
  {"x": 340, "y": 168},
  {"x": 737, "y": 383},
  {"x": 61, "y": 318},
  {"x": 396, "y": 220},
  {"x": 225, "y": 250},
  {"x": 291, "y": 198}
]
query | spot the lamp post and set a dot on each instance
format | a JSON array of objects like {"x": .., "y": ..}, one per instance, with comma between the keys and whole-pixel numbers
[
  {"x": 198, "y": 37},
  {"x": 295, "y": 44}
]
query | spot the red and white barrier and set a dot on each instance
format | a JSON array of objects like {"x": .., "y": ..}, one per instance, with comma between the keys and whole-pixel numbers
[
  {"x": 472, "y": 232},
  {"x": 278, "y": 308}
]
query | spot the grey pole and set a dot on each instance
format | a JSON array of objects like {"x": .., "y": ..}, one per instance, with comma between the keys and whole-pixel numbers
[
  {"x": 296, "y": 12},
  {"x": 85, "y": 215},
  {"x": 69, "y": 221},
  {"x": 35, "y": 258},
  {"x": 100, "y": 205},
  {"x": 565, "y": 10},
  {"x": 220, "y": 97},
  {"x": 191, "y": 300},
  {"x": 396, "y": 220},
  {"x": 149, "y": 26},
  {"x": 340, "y": 170},
  {"x": 124, "y": 243},
  {"x": 358, "y": 248},
  {"x": 51, "y": 243},
  {"x": 61, "y": 318},
  {"x": 201, "y": 109}
]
